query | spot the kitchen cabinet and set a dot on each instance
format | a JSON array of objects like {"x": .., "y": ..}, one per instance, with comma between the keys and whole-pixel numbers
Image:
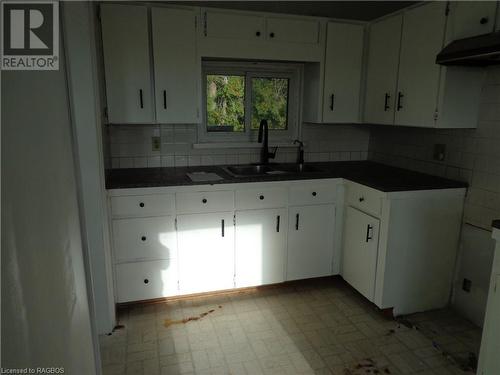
[
  {"x": 310, "y": 241},
  {"x": 360, "y": 251},
  {"x": 292, "y": 30},
  {"x": 418, "y": 82},
  {"x": 176, "y": 66},
  {"x": 260, "y": 246},
  {"x": 343, "y": 67},
  {"x": 399, "y": 248},
  {"x": 206, "y": 252},
  {"x": 127, "y": 62},
  {"x": 231, "y": 25},
  {"x": 382, "y": 70},
  {"x": 470, "y": 18},
  {"x": 489, "y": 362}
]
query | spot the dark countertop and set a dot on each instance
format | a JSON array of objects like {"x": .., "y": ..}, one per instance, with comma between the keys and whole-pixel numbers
[
  {"x": 496, "y": 224},
  {"x": 375, "y": 175}
]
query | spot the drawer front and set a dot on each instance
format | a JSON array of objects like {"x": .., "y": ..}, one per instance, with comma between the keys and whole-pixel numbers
[
  {"x": 364, "y": 198},
  {"x": 200, "y": 202},
  {"x": 292, "y": 30},
  {"x": 146, "y": 280},
  {"x": 144, "y": 239},
  {"x": 142, "y": 205},
  {"x": 313, "y": 194},
  {"x": 261, "y": 198}
]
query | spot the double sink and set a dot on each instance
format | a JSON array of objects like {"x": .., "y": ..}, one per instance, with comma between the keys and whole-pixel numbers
[{"x": 270, "y": 169}]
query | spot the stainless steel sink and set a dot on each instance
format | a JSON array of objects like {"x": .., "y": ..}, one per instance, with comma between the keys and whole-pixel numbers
[{"x": 265, "y": 169}]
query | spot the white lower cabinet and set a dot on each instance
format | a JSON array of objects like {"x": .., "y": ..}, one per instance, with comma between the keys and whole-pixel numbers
[
  {"x": 206, "y": 252},
  {"x": 146, "y": 280},
  {"x": 360, "y": 251},
  {"x": 310, "y": 241},
  {"x": 260, "y": 246}
]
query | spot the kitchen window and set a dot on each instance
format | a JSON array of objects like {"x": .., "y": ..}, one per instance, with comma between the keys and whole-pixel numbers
[{"x": 238, "y": 96}]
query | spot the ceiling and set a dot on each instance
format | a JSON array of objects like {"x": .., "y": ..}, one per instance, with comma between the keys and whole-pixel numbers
[{"x": 352, "y": 10}]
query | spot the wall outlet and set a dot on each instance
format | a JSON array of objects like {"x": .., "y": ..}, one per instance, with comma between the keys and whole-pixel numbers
[
  {"x": 466, "y": 285},
  {"x": 155, "y": 143},
  {"x": 439, "y": 152}
]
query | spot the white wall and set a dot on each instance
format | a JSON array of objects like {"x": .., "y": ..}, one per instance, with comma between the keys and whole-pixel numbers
[{"x": 45, "y": 313}]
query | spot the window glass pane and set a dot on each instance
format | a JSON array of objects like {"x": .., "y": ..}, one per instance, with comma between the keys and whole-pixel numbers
[
  {"x": 225, "y": 103},
  {"x": 270, "y": 102}
]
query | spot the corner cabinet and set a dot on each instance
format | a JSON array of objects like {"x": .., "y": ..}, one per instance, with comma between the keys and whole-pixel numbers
[
  {"x": 125, "y": 41},
  {"x": 343, "y": 67},
  {"x": 129, "y": 57}
]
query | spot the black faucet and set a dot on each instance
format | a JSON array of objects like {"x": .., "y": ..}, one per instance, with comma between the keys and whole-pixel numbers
[
  {"x": 263, "y": 138},
  {"x": 300, "y": 151}
]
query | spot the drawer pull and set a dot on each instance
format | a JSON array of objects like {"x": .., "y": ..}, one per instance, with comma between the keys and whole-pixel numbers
[
  {"x": 361, "y": 199},
  {"x": 314, "y": 193},
  {"x": 146, "y": 281},
  {"x": 368, "y": 234},
  {"x": 143, "y": 238},
  {"x": 257, "y": 33},
  {"x": 222, "y": 227},
  {"x": 278, "y": 223},
  {"x": 261, "y": 197},
  {"x": 141, "y": 204},
  {"x": 204, "y": 200},
  {"x": 297, "y": 222}
]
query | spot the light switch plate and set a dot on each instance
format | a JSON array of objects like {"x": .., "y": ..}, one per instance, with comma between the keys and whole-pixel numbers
[{"x": 155, "y": 143}]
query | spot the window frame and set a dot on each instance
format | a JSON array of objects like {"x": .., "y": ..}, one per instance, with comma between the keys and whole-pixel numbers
[{"x": 291, "y": 71}]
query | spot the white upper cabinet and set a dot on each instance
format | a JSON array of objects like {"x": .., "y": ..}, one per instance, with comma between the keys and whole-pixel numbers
[
  {"x": 220, "y": 24},
  {"x": 418, "y": 84},
  {"x": 471, "y": 18},
  {"x": 382, "y": 70},
  {"x": 343, "y": 66},
  {"x": 127, "y": 63},
  {"x": 288, "y": 30},
  {"x": 176, "y": 66}
]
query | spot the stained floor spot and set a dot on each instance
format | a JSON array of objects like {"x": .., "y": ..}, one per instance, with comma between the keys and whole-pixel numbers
[{"x": 169, "y": 322}]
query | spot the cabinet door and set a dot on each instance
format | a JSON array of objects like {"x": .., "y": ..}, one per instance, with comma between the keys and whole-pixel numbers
[
  {"x": 382, "y": 70},
  {"x": 287, "y": 30},
  {"x": 418, "y": 82},
  {"x": 206, "y": 252},
  {"x": 343, "y": 65},
  {"x": 233, "y": 25},
  {"x": 310, "y": 241},
  {"x": 470, "y": 18},
  {"x": 360, "y": 251},
  {"x": 490, "y": 345},
  {"x": 126, "y": 52},
  {"x": 176, "y": 67},
  {"x": 260, "y": 247}
]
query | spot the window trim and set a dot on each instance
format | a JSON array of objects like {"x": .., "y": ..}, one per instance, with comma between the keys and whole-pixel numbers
[{"x": 254, "y": 70}]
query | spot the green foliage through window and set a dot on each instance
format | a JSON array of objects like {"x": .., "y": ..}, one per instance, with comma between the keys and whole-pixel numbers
[
  {"x": 225, "y": 103},
  {"x": 270, "y": 102}
]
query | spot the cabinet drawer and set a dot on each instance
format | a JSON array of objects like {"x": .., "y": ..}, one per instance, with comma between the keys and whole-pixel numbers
[
  {"x": 142, "y": 205},
  {"x": 199, "y": 202},
  {"x": 292, "y": 30},
  {"x": 364, "y": 198},
  {"x": 146, "y": 280},
  {"x": 261, "y": 198},
  {"x": 313, "y": 194},
  {"x": 234, "y": 26},
  {"x": 144, "y": 239}
]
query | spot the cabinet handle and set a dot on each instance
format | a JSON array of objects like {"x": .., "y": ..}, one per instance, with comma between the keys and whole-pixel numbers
[
  {"x": 261, "y": 197},
  {"x": 222, "y": 227},
  {"x": 386, "y": 102},
  {"x": 361, "y": 199},
  {"x": 143, "y": 238},
  {"x": 368, "y": 229},
  {"x": 484, "y": 20},
  {"x": 204, "y": 200},
  {"x": 141, "y": 204},
  {"x": 278, "y": 223},
  {"x": 314, "y": 193},
  {"x": 400, "y": 96},
  {"x": 271, "y": 35},
  {"x": 297, "y": 222},
  {"x": 165, "y": 99},
  {"x": 257, "y": 33},
  {"x": 332, "y": 101},
  {"x": 146, "y": 281},
  {"x": 141, "y": 101}
]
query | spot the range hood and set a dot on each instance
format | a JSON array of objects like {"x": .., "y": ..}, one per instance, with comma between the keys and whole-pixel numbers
[{"x": 481, "y": 50}]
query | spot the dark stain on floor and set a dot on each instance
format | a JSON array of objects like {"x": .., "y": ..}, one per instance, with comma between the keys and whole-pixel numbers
[
  {"x": 366, "y": 366},
  {"x": 170, "y": 322}
]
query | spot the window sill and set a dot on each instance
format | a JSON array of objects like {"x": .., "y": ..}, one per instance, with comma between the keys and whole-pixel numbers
[{"x": 208, "y": 145}]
